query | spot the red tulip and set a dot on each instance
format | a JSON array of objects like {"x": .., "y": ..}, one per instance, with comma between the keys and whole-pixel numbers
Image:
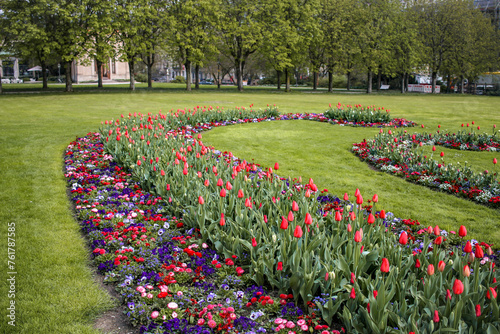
[
  {"x": 448, "y": 294},
  {"x": 308, "y": 220},
  {"x": 276, "y": 166},
  {"x": 207, "y": 183},
  {"x": 495, "y": 161},
  {"x": 353, "y": 215},
  {"x": 433, "y": 148},
  {"x": 458, "y": 287},
  {"x": 353, "y": 278},
  {"x": 185, "y": 171},
  {"x": 430, "y": 270},
  {"x": 162, "y": 172},
  {"x": 468, "y": 247},
  {"x": 357, "y": 193},
  {"x": 371, "y": 219},
  {"x": 441, "y": 266},
  {"x": 493, "y": 293},
  {"x": 437, "y": 231},
  {"x": 353, "y": 294},
  {"x": 462, "y": 231},
  {"x": 295, "y": 206},
  {"x": 357, "y": 236},
  {"x": 438, "y": 241},
  {"x": 284, "y": 223},
  {"x": 417, "y": 263},
  {"x": 382, "y": 214},
  {"x": 359, "y": 199},
  {"x": 254, "y": 242},
  {"x": 403, "y": 238},
  {"x": 298, "y": 232},
  {"x": 479, "y": 252},
  {"x": 290, "y": 216},
  {"x": 248, "y": 204},
  {"x": 139, "y": 162},
  {"x": 375, "y": 198},
  {"x": 384, "y": 267},
  {"x": 436, "y": 316},
  {"x": 222, "y": 220},
  {"x": 229, "y": 186},
  {"x": 346, "y": 197},
  {"x": 338, "y": 216},
  {"x": 201, "y": 200},
  {"x": 280, "y": 266},
  {"x": 442, "y": 154},
  {"x": 240, "y": 193},
  {"x": 375, "y": 294},
  {"x": 478, "y": 310},
  {"x": 223, "y": 192},
  {"x": 466, "y": 271}
]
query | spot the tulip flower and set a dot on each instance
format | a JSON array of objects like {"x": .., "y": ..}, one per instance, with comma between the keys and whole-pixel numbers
[
  {"x": 384, "y": 267},
  {"x": 458, "y": 287},
  {"x": 448, "y": 294},
  {"x": 478, "y": 310},
  {"x": 284, "y": 223},
  {"x": 357, "y": 236},
  {"x": 353, "y": 294},
  {"x": 462, "y": 231},
  {"x": 280, "y": 266},
  {"x": 468, "y": 247},
  {"x": 437, "y": 231},
  {"x": 290, "y": 216},
  {"x": 357, "y": 192},
  {"x": 229, "y": 186},
  {"x": 382, "y": 214},
  {"x": 295, "y": 206},
  {"x": 438, "y": 241},
  {"x": 338, "y": 216},
  {"x": 495, "y": 161},
  {"x": 375, "y": 198},
  {"x": 353, "y": 216},
  {"x": 308, "y": 193},
  {"x": 248, "y": 204},
  {"x": 308, "y": 220},
  {"x": 493, "y": 293},
  {"x": 222, "y": 220},
  {"x": 433, "y": 148},
  {"x": 346, "y": 197},
  {"x": 276, "y": 166},
  {"x": 436, "y": 316},
  {"x": 430, "y": 270},
  {"x": 441, "y": 266},
  {"x": 403, "y": 238},
  {"x": 298, "y": 232},
  {"x": 371, "y": 219},
  {"x": 417, "y": 263},
  {"x": 359, "y": 199},
  {"x": 441, "y": 154},
  {"x": 349, "y": 228},
  {"x": 240, "y": 193},
  {"x": 201, "y": 200},
  {"x": 223, "y": 192},
  {"x": 254, "y": 242},
  {"x": 479, "y": 252}
]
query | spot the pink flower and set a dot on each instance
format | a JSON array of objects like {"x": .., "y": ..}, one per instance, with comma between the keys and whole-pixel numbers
[
  {"x": 212, "y": 324},
  {"x": 301, "y": 322},
  {"x": 155, "y": 314}
]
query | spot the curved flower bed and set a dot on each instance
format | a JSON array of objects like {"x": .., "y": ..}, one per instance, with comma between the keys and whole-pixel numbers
[
  {"x": 398, "y": 154},
  {"x": 336, "y": 259}
]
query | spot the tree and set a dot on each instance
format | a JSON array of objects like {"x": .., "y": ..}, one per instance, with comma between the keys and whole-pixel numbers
[
  {"x": 241, "y": 32},
  {"x": 192, "y": 31},
  {"x": 5, "y": 36}
]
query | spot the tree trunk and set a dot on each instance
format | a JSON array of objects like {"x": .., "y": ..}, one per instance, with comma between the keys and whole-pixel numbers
[
  {"x": 197, "y": 76},
  {"x": 287, "y": 78},
  {"x": 69, "y": 82},
  {"x": 330, "y": 81},
  {"x": 278, "y": 76},
  {"x": 1, "y": 91},
  {"x": 239, "y": 75},
  {"x": 379, "y": 80},
  {"x": 448, "y": 85},
  {"x": 407, "y": 81},
  {"x": 132, "y": 75},
  {"x": 369, "y": 82},
  {"x": 433, "y": 82},
  {"x": 461, "y": 84},
  {"x": 187, "y": 64},
  {"x": 44, "y": 75},
  {"x": 348, "y": 81},
  {"x": 315, "y": 79},
  {"x": 99, "y": 73},
  {"x": 218, "y": 76},
  {"x": 403, "y": 83}
]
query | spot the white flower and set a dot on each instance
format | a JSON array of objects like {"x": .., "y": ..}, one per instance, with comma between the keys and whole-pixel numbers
[{"x": 172, "y": 305}]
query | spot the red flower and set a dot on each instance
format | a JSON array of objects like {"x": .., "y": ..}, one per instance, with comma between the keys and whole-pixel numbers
[
  {"x": 295, "y": 206},
  {"x": 338, "y": 216},
  {"x": 280, "y": 266},
  {"x": 240, "y": 193},
  {"x": 384, "y": 267},
  {"x": 437, "y": 231},
  {"x": 430, "y": 270},
  {"x": 382, "y": 214},
  {"x": 458, "y": 287},
  {"x": 254, "y": 242},
  {"x": 493, "y": 293},
  {"x": 284, "y": 223},
  {"x": 468, "y": 247},
  {"x": 229, "y": 186},
  {"x": 375, "y": 198},
  {"x": 436, "y": 316},
  {"x": 441, "y": 266},
  {"x": 442, "y": 154},
  {"x": 462, "y": 231},
  {"x": 222, "y": 220},
  {"x": 346, "y": 197},
  {"x": 353, "y": 294},
  {"x": 371, "y": 219},
  {"x": 276, "y": 166},
  {"x": 417, "y": 264},
  {"x": 290, "y": 216},
  {"x": 438, "y": 241},
  {"x": 201, "y": 200},
  {"x": 466, "y": 271},
  {"x": 308, "y": 220},
  {"x": 448, "y": 294},
  {"x": 223, "y": 192},
  {"x": 479, "y": 252},
  {"x": 359, "y": 199},
  {"x": 478, "y": 310},
  {"x": 403, "y": 238},
  {"x": 495, "y": 161},
  {"x": 357, "y": 236},
  {"x": 298, "y": 232}
]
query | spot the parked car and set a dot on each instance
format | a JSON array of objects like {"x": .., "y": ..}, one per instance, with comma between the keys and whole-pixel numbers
[{"x": 206, "y": 82}]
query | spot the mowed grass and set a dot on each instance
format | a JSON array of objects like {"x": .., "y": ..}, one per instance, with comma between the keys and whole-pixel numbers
[{"x": 55, "y": 291}]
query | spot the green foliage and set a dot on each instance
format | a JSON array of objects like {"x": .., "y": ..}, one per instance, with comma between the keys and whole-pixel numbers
[
  {"x": 358, "y": 114},
  {"x": 179, "y": 79}
]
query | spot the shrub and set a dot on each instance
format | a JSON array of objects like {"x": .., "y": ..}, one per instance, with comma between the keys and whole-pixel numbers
[{"x": 179, "y": 79}]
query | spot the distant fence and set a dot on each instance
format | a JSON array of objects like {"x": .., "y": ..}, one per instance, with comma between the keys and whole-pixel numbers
[{"x": 423, "y": 88}]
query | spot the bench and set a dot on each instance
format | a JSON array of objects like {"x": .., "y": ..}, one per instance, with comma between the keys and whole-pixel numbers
[{"x": 384, "y": 87}]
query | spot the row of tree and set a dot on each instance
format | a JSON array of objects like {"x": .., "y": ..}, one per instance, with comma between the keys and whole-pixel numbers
[{"x": 378, "y": 37}]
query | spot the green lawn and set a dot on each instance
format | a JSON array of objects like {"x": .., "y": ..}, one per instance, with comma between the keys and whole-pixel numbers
[{"x": 55, "y": 292}]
